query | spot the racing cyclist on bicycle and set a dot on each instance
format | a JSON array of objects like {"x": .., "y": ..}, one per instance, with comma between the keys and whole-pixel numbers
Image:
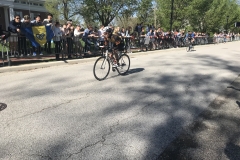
[
  {"x": 118, "y": 45},
  {"x": 190, "y": 37}
]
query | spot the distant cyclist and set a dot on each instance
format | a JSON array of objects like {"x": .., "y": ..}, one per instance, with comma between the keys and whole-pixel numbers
[{"x": 190, "y": 36}]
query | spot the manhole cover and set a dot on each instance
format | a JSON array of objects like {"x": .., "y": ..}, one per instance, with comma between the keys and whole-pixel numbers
[{"x": 2, "y": 106}]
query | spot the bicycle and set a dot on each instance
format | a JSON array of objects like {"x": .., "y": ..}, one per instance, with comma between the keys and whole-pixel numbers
[{"x": 102, "y": 67}]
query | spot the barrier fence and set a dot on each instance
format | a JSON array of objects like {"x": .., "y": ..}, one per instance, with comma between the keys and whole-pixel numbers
[{"x": 76, "y": 47}]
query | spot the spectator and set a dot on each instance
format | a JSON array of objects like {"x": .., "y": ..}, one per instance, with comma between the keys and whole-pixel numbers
[
  {"x": 15, "y": 28},
  {"x": 77, "y": 36},
  {"x": 69, "y": 36},
  {"x": 87, "y": 33},
  {"x": 142, "y": 39},
  {"x": 225, "y": 37},
  {"x": 25, "y": 23},
  {"x": 128, "y": 31},
  {"x": 57, "y": 39},
  {"x": 101, "y": 34},
  {"x": 64, "y": 37},
  {"x": 48, "y": 22},
  {"x": 123, "y": 32},
  {"x": 37, "y": 22},
  {"x": 34, "y": 19}
]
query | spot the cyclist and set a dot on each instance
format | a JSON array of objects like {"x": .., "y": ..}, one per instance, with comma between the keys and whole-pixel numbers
[
  {"x": 190, "y": 37},
  {"x": 118, "y": 45}
]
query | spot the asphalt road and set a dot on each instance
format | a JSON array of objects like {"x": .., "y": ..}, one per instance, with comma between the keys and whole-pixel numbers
[{"x": 62, "y": 112}]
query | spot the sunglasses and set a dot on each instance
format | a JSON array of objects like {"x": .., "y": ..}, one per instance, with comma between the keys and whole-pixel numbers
[{"x": 17, "y": 18}]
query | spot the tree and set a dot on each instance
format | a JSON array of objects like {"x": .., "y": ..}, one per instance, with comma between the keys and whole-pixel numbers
[
  {"x": 180, "y": 14},
  {"x": 145, "y": 11},
  {"x": 103, "y": 11},
  {"x": 199, "y": 15},
  {"x": 61, "y": 9}
]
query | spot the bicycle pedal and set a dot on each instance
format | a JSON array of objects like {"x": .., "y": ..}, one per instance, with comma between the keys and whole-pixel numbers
[{"x": 113, "y": 69}]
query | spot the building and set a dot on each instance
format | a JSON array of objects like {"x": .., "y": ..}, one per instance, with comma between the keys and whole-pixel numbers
[{"x": 9, "y": 8}]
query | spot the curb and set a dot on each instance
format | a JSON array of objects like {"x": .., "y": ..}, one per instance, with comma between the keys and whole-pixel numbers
[{"x": 33, "y": 66}]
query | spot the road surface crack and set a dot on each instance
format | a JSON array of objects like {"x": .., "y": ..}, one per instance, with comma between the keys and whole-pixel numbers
[
  {"x": 51, "y": 107},
  {"x": 42, "y": 156},
  {"x": 102, "y": 140}
]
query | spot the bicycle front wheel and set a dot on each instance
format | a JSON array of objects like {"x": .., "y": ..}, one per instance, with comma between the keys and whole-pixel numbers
[
  {"x": 124, "y": 64},
  {"x": 101, "y": 68}
]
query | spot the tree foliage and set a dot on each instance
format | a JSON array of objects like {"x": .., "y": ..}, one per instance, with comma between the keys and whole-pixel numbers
[
  {"x": 198, "y": 15},
  {"x": 103, "y": 11},
  {"x": 61, "y": 9}
]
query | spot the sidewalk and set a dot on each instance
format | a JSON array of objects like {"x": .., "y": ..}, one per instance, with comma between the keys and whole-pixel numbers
[
  {"x": 29, "y": 63},
  {"x": 215, "y": 134}
]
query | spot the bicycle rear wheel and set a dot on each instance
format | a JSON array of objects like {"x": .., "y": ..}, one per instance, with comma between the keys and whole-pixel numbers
[
  {"x": 124, "y": 64},
  {"x": 101, "y": 68},
  {"x": 192, "y": 48}
]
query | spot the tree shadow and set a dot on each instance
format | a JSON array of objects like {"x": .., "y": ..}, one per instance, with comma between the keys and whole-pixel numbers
[
  {"x": 3, "y": 106},
  {"x": 139, "y": 112},
  {"x": 232, "y": 151},
  {"x": 232, "y": 87},
  {"x": 238, "y": 103}
]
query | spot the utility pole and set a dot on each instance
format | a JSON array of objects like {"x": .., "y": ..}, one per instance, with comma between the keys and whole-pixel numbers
[
  {"x": 171, "y": 20},
  {"x": 155, "y": 17},
  {"x": 227, "y": 23}
]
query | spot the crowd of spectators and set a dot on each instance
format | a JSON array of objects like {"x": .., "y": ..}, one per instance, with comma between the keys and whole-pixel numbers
[{"x": 69, "y": 36}]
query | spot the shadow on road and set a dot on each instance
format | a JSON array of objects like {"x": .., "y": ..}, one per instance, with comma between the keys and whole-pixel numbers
[
  {"x": 130, "y": 72},
  {"x": 2, "y": 106},
  {"x": 232, "y": 151},
  {"x": 135, "y": 70},
  {"x": 169, "y": 96},
  {"x": 233, "y": 88},
  {"x": 238, "y": 103}
]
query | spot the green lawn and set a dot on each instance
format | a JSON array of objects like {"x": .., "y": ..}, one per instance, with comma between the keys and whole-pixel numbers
[{"x": 4, "y": 48}]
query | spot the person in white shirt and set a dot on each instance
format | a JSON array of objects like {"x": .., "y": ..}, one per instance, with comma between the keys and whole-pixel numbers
[
  {"x": 77, "y": 36},
  {"x": 101, "y": 32},
  {"x": 77, "y": 31}
]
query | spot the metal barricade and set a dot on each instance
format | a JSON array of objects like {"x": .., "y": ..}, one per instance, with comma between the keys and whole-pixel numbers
[
  {"x": 5, "y": 52},
  {"x": 19, "y": 45}
]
